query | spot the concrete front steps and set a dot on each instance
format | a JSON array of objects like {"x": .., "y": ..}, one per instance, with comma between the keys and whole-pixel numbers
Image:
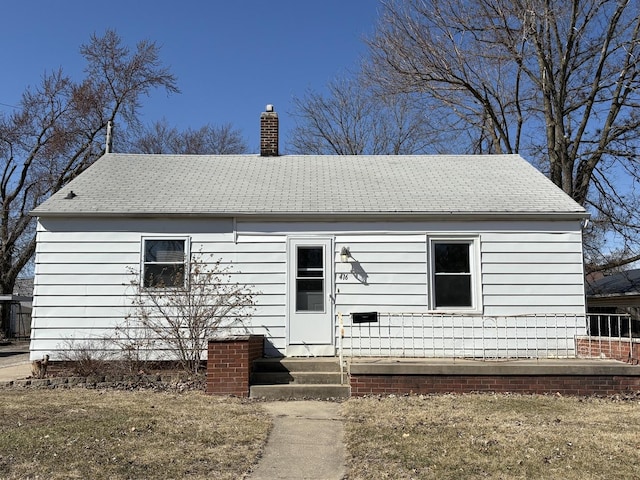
[{"x": 287, "y": 378}]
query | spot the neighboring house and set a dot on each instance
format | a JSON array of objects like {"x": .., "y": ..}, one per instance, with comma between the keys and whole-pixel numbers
[
  {"x": 415, "y": 255},
  {"x": 20, "y": 303},
  {"x": 617, "y": 296}
]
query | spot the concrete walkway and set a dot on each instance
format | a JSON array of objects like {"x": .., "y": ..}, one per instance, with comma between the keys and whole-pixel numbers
[
  {"x": 307, "y": 442},
  {"x": 14, "y": 361}
]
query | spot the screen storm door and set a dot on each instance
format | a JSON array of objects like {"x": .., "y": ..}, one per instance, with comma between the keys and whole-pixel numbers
[{"x": 310, "y": 324}]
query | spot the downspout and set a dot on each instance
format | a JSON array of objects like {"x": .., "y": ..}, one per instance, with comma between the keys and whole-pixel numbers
[{"x": 234, "y": 226}]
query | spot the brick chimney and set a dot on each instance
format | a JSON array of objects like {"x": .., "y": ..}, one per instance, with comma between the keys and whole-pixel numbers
[{"x": 269, "y": 133}]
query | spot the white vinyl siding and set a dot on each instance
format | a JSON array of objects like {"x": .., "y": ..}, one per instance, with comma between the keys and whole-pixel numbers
[
  {"x": 525, "y": 273},
  {"x": 83, "y": 285},
  {"x": 83, "y": 281},
  {"x": 385, "y": 273}
]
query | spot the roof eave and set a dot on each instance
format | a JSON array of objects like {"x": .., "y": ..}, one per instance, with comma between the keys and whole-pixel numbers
[
  {"x": 474, "y": 216},
  {"x": 634, "y": 293}
]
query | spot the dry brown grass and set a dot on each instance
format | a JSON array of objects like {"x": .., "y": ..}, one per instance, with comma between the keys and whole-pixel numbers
[
  {"x": 492, "y": 436},
  {"x": 112, "y": 434},
  {"x": 79, "y": 433}
]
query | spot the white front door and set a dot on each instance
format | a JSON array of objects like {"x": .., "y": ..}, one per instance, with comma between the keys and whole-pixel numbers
[{"x": 310, "y": 310}]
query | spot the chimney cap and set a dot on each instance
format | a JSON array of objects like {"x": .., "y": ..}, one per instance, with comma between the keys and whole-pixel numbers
[{"x": 269, "y": 108}]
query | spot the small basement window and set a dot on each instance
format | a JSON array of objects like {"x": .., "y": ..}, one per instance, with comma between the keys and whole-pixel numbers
[
  {"x": 453, "y": 274},
  {"x": 164, "y": 262}
]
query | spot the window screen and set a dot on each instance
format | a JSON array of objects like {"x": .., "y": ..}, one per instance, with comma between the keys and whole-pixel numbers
[
  {"x": 164, "y": 263},
  {"x": 452, "y": 276}
]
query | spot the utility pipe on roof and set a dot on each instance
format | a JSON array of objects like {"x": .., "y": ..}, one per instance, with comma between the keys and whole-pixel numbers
[{"x": 109, "y": 141}]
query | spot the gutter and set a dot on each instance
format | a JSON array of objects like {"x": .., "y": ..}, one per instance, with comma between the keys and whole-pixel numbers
[{"x": 399, "y": 216}]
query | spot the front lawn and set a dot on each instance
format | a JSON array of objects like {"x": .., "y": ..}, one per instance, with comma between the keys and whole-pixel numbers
[
  {"x": 100, "y": 434},
  {"x": 104, "y": 434},
  {"x": 492, "y": 436}
]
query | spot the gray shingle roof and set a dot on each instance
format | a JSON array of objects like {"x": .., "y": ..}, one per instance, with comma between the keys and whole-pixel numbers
[
  {"x": 289, "y": 185},
  {"x": 620, "y": 283}
]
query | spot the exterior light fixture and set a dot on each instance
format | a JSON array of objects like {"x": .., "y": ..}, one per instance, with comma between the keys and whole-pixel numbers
[{"x": 345, "y": 254}]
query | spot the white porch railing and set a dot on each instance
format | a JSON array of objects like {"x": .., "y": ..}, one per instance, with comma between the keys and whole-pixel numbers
[
  {"x": 430, "y": 335},
  {"x": 485, "y": 337}
]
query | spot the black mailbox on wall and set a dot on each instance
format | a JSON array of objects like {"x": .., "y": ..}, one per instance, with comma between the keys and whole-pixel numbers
[{"x": 364, "y": 317}]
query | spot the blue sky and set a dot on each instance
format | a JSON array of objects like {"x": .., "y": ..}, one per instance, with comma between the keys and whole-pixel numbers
[{"x": 231, "y": 57}]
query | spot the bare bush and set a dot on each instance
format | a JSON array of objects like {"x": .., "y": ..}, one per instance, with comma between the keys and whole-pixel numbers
[
  {"x": 135, "y": 345},
  {"x": 87, "y": 358},
  {"x": 184, "y": 313}
]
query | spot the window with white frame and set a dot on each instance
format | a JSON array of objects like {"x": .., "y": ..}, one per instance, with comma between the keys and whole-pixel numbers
[
  {"x": 164, "y": 262},
  {"x": 454, "y": 276}
]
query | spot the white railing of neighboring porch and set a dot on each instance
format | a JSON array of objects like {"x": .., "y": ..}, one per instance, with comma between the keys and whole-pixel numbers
[
  {"x": 486, "y": 337},
  {"x": 611, "y": 336}
]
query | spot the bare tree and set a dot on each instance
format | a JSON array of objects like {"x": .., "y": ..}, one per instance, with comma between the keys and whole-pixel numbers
[
  {"x": 354, "y": 119},
  {"x": 57, "y": 131},
  {"x": 161, "y": 138},
  {"x": 185, "y": 315},
  {"x": 557, "y": 81}
]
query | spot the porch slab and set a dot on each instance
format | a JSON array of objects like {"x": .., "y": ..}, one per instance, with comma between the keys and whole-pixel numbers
[{"x": 458, "y": 366}]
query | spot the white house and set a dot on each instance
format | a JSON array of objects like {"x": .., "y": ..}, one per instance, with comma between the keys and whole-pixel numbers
[{"x": 443, "y": 255}]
